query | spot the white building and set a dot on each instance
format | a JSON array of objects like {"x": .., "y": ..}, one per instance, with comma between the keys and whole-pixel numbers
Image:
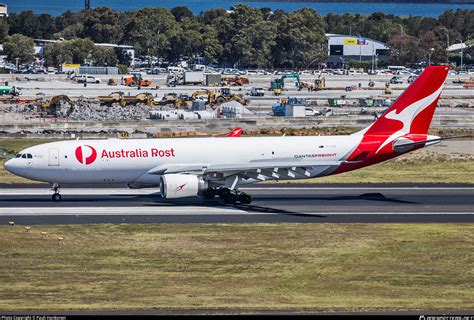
[
  {"x": 3, "y": 10},
  {"x": 343, "y": 48}
]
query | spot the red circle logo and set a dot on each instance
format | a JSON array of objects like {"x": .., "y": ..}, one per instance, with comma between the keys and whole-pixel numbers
[{"x": 86, "y": 154}]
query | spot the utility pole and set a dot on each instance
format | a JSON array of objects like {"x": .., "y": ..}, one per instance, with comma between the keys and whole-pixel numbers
[{"x": 87, "y": 4}]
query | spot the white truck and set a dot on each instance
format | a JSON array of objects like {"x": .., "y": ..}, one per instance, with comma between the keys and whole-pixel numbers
[{"x": 186, "y": 77}]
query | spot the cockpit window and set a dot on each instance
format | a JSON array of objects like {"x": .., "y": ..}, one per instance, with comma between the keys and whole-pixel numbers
[
  {"x": 23, "y": 156},
  {"x": 18, "y": 155},
  {"x": 30, "y": 156}
]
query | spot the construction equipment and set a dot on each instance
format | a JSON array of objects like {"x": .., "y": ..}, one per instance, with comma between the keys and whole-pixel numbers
[
  {"x": 178, "y": 101},
  {"x": 225, "y": 95},
  {"x": 320, "y": 84},
  {"x": 123, "y": 100},
  {"x": 237, "y": 80},
  {"x": 135, "y": 80},
  {"x": 279, "y": 83},
  {"x": 50, "y": 107},
  {"x": 14, "y": 91},
  {"x": 186, "y": 77}
]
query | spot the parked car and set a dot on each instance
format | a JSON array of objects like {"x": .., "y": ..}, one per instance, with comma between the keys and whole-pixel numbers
[
  {"x": 84, "y": 79},
  {"x": 412, "y": 78},
  {"x": 257, "y": 92},
  {"x": 311, "y": 112},
  {"x": 396, "y": 80}
]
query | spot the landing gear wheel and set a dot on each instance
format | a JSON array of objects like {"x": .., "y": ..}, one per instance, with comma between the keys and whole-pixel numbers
[
  {"x": 223, "y": 192},
  {"x": 56, "y": 197},
  {"x": 230, "y": 198},
  {"x": 209, "y": 194},
  {"x": 245, "y": 198}
]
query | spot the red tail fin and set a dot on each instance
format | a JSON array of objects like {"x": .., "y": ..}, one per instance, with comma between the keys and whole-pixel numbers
[
  {"x": 413, "y": 111},
  {"x": 237, "y": 132}
]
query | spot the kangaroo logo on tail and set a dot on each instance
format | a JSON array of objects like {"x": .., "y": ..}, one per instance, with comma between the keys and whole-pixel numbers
[{"x": 407, "y": 115}]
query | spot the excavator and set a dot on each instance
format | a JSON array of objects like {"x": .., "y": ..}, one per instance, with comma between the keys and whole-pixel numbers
[
  {"x": 279, "y": 83},
  {"x": 52, "y": 106}
]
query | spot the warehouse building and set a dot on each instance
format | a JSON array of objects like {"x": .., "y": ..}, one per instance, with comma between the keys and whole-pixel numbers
[{"x": 344, "y": 48}]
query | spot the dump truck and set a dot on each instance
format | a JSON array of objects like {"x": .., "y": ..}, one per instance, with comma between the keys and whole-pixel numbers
[{"x": 123, "y": 100}]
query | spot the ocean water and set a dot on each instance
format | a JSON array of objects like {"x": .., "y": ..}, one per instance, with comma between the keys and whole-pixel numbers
[{"x": 56, "y": 7}]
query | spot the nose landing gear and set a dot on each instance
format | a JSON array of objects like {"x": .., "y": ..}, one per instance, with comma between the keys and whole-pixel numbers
[{"x": 56, "y": 196}]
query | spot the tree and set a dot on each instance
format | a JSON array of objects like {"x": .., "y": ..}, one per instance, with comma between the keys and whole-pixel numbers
[
  {"x": 3, "y": 29},
  {"x": 19, "y": 47},
  {"x": 70, "y": 51},
  {"x": 150, "y": 30},
  {"x": 29, "y": 24},
  {"x": 180, "y": 13},
  {"x": 104, "y": 56},
  {"x": 301, "y": 40}
]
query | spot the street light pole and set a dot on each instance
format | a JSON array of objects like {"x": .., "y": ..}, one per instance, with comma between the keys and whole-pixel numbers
[
  {"x": 429, "y": 56},
  {"x": 447, "y": 47}
]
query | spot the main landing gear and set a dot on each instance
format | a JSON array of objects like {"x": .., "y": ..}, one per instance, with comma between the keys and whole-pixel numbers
[
  {"x": 229, "y": 196},
  {"x": 56, "y": 196}
]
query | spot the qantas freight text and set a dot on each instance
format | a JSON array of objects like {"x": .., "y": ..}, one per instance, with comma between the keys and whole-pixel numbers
[{"x": 138, "y": 153}]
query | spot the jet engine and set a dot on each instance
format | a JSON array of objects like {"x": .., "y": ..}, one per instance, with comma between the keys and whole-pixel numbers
[{"x": 181, "y": 185}]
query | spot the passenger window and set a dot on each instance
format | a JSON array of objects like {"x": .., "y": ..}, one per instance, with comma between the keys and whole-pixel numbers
[
  {"x": 30, "y": 156},
  {"x": 23, "y": 156}
]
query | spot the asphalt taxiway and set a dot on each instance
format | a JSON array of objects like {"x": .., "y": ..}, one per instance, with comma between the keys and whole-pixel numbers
[{"x": 277, "y": 203}]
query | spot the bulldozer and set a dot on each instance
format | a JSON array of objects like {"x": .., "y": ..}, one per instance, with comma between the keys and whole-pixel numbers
[
  {"x": 51, "y": 107},
  {"x": 135, "y": 80}
]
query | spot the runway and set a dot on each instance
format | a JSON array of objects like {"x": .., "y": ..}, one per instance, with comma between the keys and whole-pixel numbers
[{"x": 279, "y": 203}]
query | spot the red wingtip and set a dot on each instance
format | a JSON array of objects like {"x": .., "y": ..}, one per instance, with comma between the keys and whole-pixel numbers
[{"x": 237, "y": 132}]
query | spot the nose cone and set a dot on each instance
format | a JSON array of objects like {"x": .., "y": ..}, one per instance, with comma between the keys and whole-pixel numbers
[
  {"x": 8, "y": 165},
  {"x": 12, "y": 166}
]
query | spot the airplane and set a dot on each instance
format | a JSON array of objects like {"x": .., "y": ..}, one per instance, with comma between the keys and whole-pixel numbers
[{"x": 217, "y": 166}]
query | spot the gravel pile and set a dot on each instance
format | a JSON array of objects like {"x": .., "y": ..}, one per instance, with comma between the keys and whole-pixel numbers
[{"x": 89, "y": 111}]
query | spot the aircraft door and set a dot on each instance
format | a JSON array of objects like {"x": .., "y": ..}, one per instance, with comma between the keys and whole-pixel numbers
[{"x": 53, "y": 157}]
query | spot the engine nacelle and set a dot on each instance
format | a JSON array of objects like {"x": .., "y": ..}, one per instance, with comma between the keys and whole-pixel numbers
[{"x": 181, "y": 185}]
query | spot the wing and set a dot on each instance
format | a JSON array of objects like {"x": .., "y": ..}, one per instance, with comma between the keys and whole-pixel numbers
[{"x": 259, "y": 170}]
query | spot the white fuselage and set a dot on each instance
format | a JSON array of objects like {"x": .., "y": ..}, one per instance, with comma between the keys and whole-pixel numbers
[{"x": 130, "y": 160}]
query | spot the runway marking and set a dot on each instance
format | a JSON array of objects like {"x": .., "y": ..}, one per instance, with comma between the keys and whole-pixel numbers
[
  {"x": 94, "y": 211},
  {"x": 180, "y": 211},
  {"x": 361, "y": 188},
  {"x": 134, "y": 192}
]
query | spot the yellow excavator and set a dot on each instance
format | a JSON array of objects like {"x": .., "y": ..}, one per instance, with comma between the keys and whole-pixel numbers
[{"x": 51, "y": 106}]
